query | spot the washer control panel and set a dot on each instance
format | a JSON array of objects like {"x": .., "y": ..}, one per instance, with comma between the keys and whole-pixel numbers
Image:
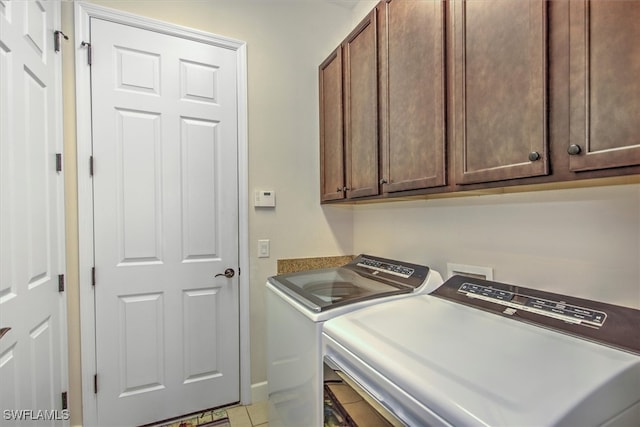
[
  {"x": 400, "y": 274},
  {"x": 386, "y": 267},
  {"x": 545, "y": 307}
]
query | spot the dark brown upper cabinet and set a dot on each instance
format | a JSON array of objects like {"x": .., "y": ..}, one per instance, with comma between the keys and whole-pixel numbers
[
  {"x": 412, "y": 94},
  {"x": 331, "y": 128},
  {"x": 361, "y": 109},
  {"x": 604, "y": 84},
  {"x": 499, "y": 89},
  {"x": 348, "y": 78},
  {"x": 442, "y": 96}
]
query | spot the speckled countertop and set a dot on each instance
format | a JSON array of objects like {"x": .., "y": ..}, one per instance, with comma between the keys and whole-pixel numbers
[{"x": 302, "y": 264}]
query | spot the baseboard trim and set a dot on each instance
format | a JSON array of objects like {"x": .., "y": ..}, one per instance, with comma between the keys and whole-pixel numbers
[{"x": 259, "y": 392}]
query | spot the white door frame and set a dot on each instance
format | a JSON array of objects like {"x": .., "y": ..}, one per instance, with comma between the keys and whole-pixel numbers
[{"x": 83, "y": 13}]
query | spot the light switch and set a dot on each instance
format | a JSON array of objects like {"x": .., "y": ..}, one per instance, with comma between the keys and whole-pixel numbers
[{"x": 263, "y": 248}]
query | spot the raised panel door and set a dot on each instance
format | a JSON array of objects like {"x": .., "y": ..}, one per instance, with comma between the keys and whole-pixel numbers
[
  {"x": 331, "y": 128},
  {"x": 605, "y": 84},
  {"x": 412, "y": 97},
  {"x": 500, "y": 89},
  {"x": 33, "y": 344},
  {"x": 361, "y": 109},
  {"x": 166, "y": 217}
]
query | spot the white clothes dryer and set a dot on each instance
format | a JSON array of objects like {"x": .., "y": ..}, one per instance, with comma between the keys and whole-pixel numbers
[{"x": 480, "y": 353}]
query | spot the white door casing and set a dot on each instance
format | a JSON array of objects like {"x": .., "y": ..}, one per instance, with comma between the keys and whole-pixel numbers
[
  {"x": 33, "y": 354},
  {"x": 164, "y": 218}
]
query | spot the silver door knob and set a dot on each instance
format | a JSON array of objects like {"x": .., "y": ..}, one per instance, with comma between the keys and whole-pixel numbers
[{"x": 228, "y": 273}]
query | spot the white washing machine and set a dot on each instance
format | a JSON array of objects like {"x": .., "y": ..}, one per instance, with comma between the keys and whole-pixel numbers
[
  {"x": 297, "y": 306},
  {"x": 480, "y": 353}
]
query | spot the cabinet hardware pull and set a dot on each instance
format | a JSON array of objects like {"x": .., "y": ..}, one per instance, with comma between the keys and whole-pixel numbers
[
  {"x": 533, "y": 156},
  {"x": 574, "y": 149},
  {"x": 383, "y": 181}
]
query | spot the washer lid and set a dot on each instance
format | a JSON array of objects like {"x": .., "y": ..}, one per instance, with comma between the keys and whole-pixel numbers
[
  {"x": 366, "y": 277},
  {"x": 472, "y": 367}
]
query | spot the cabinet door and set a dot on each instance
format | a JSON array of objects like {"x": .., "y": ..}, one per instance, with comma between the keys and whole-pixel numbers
[
  {"x": 499, "y": 93},
  {"x": 331, "y": 128},
  {"x": 361, "y": 109},
  {"x": 412, "y": 96},
  {"x": 605, "y": 84}
]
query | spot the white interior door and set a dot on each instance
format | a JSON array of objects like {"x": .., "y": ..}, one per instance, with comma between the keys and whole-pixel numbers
[
  {"x": 33, "y": 365},
  {"x": 165, "y": 181}
]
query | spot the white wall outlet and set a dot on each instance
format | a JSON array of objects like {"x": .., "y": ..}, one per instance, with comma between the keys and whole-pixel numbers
[
  {"x": 263, "y": 248},
  {"x": 484, "y": 273}
]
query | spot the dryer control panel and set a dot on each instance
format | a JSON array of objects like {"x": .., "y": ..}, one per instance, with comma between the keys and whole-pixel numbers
[
  {"x": 597, "y": 321},
  {"x": 556, "y": 309}
]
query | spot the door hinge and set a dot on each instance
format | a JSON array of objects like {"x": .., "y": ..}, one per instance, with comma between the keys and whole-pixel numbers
[
  {"x": 89, "y": 51},
  {"x": 58, "y": 162},
  {"x": 95, "y": 384},
  {"x": 57, "y": 41},
  {"x": 60, "y": 282},
  {"x": 91, "y": 165},
  {"x": 65, "y": 404},
  {"x": 93, "y": 276}
]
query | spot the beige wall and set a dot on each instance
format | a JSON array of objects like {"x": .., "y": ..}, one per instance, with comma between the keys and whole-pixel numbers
[
  {"x": 583, "y": 242},
  {"x": 286, "y": 41}
]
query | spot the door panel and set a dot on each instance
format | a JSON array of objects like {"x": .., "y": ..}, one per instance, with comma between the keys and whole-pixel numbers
[
  {"x": 605, "y": 89},
  {"x": 412, "y": 98},
  {"x": 137, "y": 186},
  {"x": 500, "y": 96},
  {"x": 331, "y": 128},
  {"x": 201, "y": 360},
  {"x": 32, "y": 365},
  {"x": 166, "y": 222},
  {"x": 361, "y": 109},
  {"x": 200, "y": 234},
  {"x": 141, "y": 323}
]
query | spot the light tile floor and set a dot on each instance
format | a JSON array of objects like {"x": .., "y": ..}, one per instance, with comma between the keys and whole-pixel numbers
[{"x": 256, "y": 415}]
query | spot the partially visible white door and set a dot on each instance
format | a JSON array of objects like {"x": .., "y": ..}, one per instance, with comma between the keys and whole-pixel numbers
[
  {"x": 165, "y": 182},
  {"x": 33, "y": 365}
]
